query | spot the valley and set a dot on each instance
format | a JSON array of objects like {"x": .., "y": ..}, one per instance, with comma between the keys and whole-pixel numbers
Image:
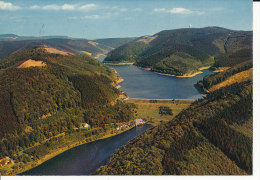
[{"x": 59, "y": 104}]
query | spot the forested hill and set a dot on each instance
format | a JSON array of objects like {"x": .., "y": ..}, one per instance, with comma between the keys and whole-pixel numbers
[
  {"x": 184, "y": 51},
  {"x": 212, "y": 137},
  {"x": 10, "y": 43},
  {"x": 45, "y": 95}
]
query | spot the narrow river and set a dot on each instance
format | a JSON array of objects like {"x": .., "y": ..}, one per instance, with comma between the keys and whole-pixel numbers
[{"x": 86, "y": 158}]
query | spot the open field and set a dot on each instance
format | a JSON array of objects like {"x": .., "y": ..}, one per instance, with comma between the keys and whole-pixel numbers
[
  {"x": 31, "y": 63},
  {"x": 236, "y": 78},
  {"x": 149, "y": 109}
]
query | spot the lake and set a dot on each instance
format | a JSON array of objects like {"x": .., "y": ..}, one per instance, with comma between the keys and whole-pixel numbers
[
  {"x": 139, "y": 83},
  {"x": 86, "y": 158}
]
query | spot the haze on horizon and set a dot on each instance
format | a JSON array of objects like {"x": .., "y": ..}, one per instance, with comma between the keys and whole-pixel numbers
[{"x": 117, "y": 18}]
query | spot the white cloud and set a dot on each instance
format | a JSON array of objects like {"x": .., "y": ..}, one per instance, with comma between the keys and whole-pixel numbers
[
  {"x": 8, "y": 6},
  {"x": 35, "y": 7},
  {"x": 87, "y": 7},
  {"x": 51, "y": 7},
  {"x": 66, "y": 7},
  {"x": 159, "y": 9},
  {"x": 180, "y": 11}
]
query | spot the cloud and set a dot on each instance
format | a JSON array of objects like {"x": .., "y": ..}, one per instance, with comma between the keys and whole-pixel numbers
[
  {"x": 159, "y": 9},
  {"x": 68, "y": 7},
  {"x": 87, "y": 7},
  {"x": 51, "y": 7},
  {"x": 65, "y": 7},
  {"x": 35, "y": 7},
  {"x": 8, "y": 6},
  {"x": 178, "y": 11}
]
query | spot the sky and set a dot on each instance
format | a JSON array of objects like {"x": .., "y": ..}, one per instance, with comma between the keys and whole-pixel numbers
[{"x": 119, "y": 18}]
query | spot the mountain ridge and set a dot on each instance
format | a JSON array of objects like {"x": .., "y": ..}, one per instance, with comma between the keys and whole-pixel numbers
[{"x": 175, "y": 51}]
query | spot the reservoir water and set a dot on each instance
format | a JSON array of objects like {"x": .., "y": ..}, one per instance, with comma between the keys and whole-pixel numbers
[
  {"x": 139, "y": 83},
  {"x": 86, "y": 158}
]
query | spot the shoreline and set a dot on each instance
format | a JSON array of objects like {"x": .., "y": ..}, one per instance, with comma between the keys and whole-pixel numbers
[
  {"x": 172, "y": 75},
  {"x": 61, "y": 150},
  {"x": 164, "y": 74},
  {"x": 143, "y": 99},
  {"x": 118, "y": 64},
  {"x": 66, "y": 148},
  {"x": 221, "y": 69}
]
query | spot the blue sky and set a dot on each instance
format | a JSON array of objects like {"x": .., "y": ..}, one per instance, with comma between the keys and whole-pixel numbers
[{"x": 119, "y": 18}]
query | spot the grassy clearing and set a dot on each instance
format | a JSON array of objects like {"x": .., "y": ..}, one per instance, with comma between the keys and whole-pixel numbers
[
  {"x": 237, "y": 78},
  {"x": 149, "y": 111}
]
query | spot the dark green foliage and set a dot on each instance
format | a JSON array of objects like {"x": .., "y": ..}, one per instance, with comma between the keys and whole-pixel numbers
[
  {"x": 38, "y": 103},
  {"x": 165, "y": 110},
  {"x": 167, "y": 148},
  {"x": 233, "y": 58},
  {"x": 128, "y": 52},
  {"x": 119, "y": 112},
  {"x": 8, "y": 119},
  {"x": 177, "y": 65},
  {"x": 184, "y": 51},
  {"x": 114, "y": 42},
  {"x": 94, "y": 89}
]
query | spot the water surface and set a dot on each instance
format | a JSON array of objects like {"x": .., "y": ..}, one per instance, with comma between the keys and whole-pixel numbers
[
  {"x": 86, "y": 158},
  {"x": 139, "y": 83}
]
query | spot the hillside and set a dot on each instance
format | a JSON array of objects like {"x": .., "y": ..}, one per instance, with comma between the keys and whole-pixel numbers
[
  {"x": 184, "y": 51},
  {"x": 238, "y": 73},
  {"x": 10, "y": 43},
  {"x": 212, "y": 137},
  {"x": 45, "y": 98}
]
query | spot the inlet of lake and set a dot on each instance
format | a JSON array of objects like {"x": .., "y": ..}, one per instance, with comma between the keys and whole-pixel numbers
[
  {"x": 138, "y": 83},
  {"x": 86, "y": 158},
  {"x": 143, "y": 84}
]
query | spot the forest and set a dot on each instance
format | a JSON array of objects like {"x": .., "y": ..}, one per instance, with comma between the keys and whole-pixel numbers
[
  {"x": 40, "y": 103},
  {"x": 185, "y": 51},
  {"x": 211, "y": 137},
  {"x": 214, "y": 79}
]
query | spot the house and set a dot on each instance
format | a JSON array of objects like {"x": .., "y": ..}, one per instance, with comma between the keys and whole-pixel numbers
[
  {"x": 138, "y": 122},
  {"x": 4, "y": 161},
  {"x": 85, "y": 125}
]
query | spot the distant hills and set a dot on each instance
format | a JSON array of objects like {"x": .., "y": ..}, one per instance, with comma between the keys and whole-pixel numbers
[
  {"x": 10, "y": 43},
  {"x": 185, "y": 51}
]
